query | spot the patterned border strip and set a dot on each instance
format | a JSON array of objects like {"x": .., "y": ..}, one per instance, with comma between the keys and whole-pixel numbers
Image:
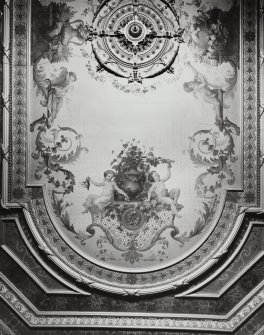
[
  {"x": 33, "y": 319},
  {"x": 5, "y": 330},
  {"x": 261, "y": 90},
  {"x": 250, "y": 91},
  {"x": 18, "y": 133},
  {"x": 6, "y": 96},
  {"x": 18, "y": 130},
  {"x": 260, "y": 331}
]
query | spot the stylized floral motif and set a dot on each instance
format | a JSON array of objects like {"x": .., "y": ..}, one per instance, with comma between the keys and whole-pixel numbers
[
  {"x": 54, "y": 148},
  {"x": 212, "y": 36},
  {"x": 135, "y": 155},
  {"x": 132, "y": 165},
  {"x": 127, "y": 237},
  {"x": 215, "y": 150},
  {"x": 250, "y": 36},
  {"x": 133, "y": 88},
  {"x": 205, "y": 216}
]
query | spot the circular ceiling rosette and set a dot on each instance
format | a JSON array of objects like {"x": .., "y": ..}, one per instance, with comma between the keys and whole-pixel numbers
[{"x": 136, "y": 39}]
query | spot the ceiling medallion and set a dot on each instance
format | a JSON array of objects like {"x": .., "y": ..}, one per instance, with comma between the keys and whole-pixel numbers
[{"x": 136, "y": 39}]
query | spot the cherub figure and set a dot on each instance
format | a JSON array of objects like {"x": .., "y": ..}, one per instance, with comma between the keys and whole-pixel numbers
[
  {"x": 66, "y": 33},
  {"x": 54, "y": 90},
  {"x": 57, "y": 89},
  {"x": 75, "y": 32},
  {"x": 99, "y": 202},
  {"x": 159, "y": 192}
]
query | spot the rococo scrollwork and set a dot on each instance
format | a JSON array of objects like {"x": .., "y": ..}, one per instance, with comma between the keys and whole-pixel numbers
[{"x": 133, "y": 130}]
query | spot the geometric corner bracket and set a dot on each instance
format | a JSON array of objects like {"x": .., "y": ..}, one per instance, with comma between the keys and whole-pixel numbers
[
  {"x": 142, "y": 191},
  {"x": 22, "y": 253},
  {"x": 245, "y": 256}
]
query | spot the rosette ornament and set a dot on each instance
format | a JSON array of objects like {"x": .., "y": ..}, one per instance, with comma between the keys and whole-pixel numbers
[{"x": 136, "y": 39}]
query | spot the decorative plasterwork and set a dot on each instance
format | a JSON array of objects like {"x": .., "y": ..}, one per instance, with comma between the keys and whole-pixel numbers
[
  {"x": 5, "y": 330},
  {"x": 46, "y": 213},
  {"x": 228, "y": 323},
  {"x": 39, "y": 216}
]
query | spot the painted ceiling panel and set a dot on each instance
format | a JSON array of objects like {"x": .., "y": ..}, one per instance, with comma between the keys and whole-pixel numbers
[{"x": 132, "y": 198}]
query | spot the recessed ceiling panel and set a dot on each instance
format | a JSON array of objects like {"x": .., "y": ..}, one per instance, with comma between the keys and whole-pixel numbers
[{"x": 134, "y": 136}]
